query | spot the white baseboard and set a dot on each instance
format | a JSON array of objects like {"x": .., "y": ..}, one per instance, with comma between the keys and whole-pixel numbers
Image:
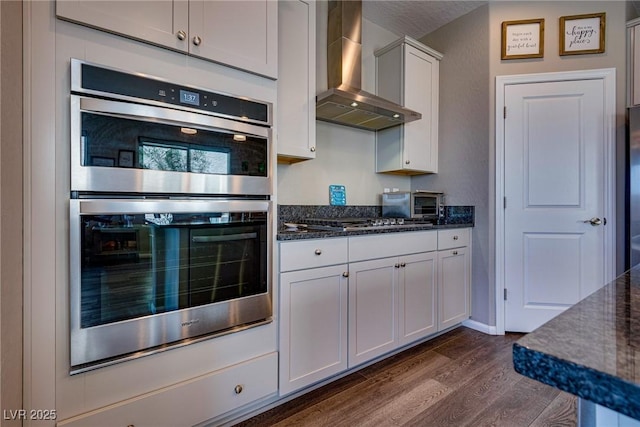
[{"x": 481, "y": 327}]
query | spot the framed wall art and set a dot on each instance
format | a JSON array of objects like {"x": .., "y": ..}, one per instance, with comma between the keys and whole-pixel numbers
[
  {"x": 523, "y": 39},
  {"x": 582, "y": 34},
  {"x": 125, "y": 158}
]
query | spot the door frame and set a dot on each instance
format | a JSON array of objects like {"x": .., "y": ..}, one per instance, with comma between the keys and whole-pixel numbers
[{"x": 608, "y": 76}]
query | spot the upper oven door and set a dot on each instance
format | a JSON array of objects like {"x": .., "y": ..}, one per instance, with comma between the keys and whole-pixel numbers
[{"x": 124, "y": 147}]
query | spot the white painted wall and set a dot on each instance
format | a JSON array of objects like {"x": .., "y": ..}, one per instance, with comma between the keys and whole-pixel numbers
[{"x": 344, "y": 155}]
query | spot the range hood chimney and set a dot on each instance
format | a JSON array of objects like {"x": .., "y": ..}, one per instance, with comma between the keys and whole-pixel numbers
[{"x": 345, "y": 103}]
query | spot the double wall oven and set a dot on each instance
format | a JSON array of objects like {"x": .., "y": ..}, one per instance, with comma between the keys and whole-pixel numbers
[{"x": 170, "y": 214}]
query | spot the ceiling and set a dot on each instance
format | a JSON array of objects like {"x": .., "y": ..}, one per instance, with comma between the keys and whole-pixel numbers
[{"x": 416, "y": 18}]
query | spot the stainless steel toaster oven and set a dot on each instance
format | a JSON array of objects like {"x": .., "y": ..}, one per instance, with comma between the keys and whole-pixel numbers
[{"x": 428, "y": 205}]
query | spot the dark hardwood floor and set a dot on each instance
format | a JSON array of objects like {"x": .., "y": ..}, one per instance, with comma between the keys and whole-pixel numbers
[{"x": 462, "y": 378}]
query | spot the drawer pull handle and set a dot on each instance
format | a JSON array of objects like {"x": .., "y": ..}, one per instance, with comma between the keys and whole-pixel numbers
[
  {"x": 318, "y": 252},
  {"x": 345, "y": 274},
  {"x": 455, "y": 252},
  {"x": 455, "y": 237},
  {"x": 238, "y": 389}
]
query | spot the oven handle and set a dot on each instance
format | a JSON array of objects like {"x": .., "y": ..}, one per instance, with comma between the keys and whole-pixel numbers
[
  {"x": 227, "y": 238},
  {"x": 168, "y": 116}
]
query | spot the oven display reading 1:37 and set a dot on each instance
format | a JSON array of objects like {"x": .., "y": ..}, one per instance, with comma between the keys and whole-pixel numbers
[{"x": 191, "y": 98}]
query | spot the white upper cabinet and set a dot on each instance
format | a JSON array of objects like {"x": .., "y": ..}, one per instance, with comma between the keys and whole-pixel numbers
[
  {"x": 296, "y": 81},
  {"x": 241, "y": 34},
  {"x": 407, "y": 72}
]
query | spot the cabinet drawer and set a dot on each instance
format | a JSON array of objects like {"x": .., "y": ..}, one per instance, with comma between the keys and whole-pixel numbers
[
  {"x": 312, "y": 253},
  {"x": 454, "y": 238},
  {"x": 374, "y": 246},
  {"x": 192, "y": 401}
]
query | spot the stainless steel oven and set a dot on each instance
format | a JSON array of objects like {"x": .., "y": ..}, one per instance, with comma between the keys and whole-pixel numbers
[
  {"x": 133, "y": 133},
  {"x": 146, "y": 274},
  {"x": 170, "y": 215}
]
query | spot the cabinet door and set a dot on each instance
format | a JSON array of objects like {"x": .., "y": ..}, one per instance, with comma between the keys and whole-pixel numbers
[
  {"x": 454, "y": 286},
  {"x": 153, "y": 21},
  {"x": 313, "y": 326},
  {"x": 417, "y": 297},
  {"x": 421, "y": 94},
  {"x": 241, "y": 34},
  {"x": 296, "y": 134},
  {"x": 373, "y": 307},
  {"x": 408, "y": 73}
]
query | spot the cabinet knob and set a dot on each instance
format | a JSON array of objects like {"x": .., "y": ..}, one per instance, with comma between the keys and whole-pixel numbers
[
  {"x": 345, "y": 274},
  {"x": 238, "y": 389},
  {"x": 181, "y": 35},
  {"x": 455, "y": 252},
  {"x": 406, "y": 162},
  {"x": 197, "y": 40},
  {"x": 455, "y": 237},
  {"x": 397, "y": 265},
  {"x": 318, "y": 252},
  {"x": 403, "y": 264},
  {"x": 312, "y": 149}
]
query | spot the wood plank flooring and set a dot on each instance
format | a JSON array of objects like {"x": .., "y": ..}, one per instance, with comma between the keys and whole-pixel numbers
[{"x": 462, "y": 378}]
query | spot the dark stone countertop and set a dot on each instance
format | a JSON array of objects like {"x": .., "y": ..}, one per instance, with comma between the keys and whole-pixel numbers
[
  {"x": 591, "y": 350},
  {"x": 320, "y": 234}
]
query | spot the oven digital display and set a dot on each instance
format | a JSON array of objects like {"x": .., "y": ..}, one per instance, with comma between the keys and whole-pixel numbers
[{"x": 190, "y": 98}]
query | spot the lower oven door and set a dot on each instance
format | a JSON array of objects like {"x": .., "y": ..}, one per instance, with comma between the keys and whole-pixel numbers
[{"x": 150, "y": 274}]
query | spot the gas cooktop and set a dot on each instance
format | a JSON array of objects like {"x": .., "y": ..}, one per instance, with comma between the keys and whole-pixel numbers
[{"x": 353, "y": 224}]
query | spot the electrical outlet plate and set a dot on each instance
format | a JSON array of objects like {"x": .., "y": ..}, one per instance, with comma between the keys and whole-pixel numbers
[{"x": 337, "y": 195}]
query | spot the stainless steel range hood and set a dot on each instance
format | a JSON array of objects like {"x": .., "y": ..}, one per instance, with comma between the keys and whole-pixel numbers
[{"x": 345, "y": 103}]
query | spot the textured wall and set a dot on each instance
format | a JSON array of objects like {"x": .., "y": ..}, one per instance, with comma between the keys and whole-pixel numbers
[
  {"x": 471, "y": 47},
  {"x": 463, "y": 169}
]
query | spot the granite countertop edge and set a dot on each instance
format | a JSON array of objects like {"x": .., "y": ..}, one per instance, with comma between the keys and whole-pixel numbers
[
  {"x": 283, "y": 235},
  {"x": 579, "y": 380}
]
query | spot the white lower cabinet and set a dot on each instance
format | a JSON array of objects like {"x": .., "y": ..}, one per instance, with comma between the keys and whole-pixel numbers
[
  {"x": 392, "y": 302},
  {"x": 346, "y": 301},
  {"x": 313, "y": 326},
  {"x": 418, "y": 296},
  {"x": 454, "y": 277},
  {"x": 373, "y": 308},
  {"x": 182, "y": 404},
  {"x": 313, "y": 311}
]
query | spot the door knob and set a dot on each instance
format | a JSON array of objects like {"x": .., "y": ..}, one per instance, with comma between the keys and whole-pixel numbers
[{"x": 593, "y": 221}]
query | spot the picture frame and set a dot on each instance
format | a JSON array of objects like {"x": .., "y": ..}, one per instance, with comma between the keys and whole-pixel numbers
[
  {"x": 126, "y": 158},
  {"x": 582, "y": 34},
  {"x": 523, "y": 39},
  {"x": 103, "y": 161}
]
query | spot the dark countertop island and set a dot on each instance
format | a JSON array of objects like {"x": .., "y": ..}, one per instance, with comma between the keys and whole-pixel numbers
[{"x": 591, "y": 350}]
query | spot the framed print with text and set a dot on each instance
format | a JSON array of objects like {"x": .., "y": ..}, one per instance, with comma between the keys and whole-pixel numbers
[
  {"x": 523, "y": 39},
  {"x": 582, "y": 34},
  {"x": 126, "y": 158}
]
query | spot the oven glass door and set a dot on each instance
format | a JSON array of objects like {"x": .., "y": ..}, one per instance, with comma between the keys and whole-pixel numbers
[
  {"x": 425, "y": 206},
  {"x": 142, "y": 260},
  {"x": 125, "y": 147}
]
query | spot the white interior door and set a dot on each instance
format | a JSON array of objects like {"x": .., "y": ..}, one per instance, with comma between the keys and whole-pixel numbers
[{"x": 554, "y": 189}]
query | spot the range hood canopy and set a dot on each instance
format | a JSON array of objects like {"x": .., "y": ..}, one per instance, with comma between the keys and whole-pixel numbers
[{"x": 345, "y": 102}]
